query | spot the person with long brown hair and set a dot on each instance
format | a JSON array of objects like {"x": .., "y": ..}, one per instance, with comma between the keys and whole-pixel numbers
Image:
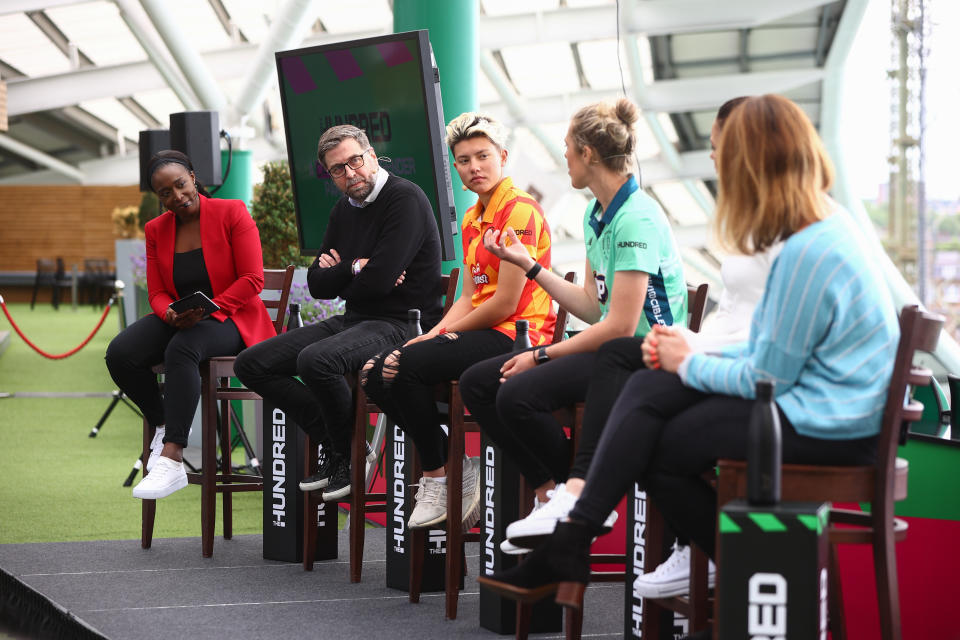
[{"x": 825, "y": 332}]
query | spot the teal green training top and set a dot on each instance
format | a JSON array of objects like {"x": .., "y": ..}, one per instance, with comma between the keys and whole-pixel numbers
[{"x": 633, "y": 234}]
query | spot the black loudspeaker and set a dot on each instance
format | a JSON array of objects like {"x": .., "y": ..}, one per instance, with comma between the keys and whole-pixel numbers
[
  {"x": 151, "y": 141},
  {"x": 197, "y": 134}
]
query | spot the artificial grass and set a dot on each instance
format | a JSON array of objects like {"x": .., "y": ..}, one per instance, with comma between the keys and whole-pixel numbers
[{"x": 59, "y": 484}]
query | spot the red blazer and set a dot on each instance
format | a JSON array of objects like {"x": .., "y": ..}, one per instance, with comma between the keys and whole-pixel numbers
[{"x": 234, "y": 261}]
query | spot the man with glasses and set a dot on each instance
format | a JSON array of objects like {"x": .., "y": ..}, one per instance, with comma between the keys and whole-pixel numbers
[{"x": 381, "y": 254}]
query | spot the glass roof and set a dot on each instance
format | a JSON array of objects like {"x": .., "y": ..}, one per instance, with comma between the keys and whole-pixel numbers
[{"x": 77, "y": 36}]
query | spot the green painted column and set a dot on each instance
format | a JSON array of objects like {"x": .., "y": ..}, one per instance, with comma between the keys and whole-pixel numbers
[
  {"x": 239, "y": 184},
  {"x": 453, "y": 34}
]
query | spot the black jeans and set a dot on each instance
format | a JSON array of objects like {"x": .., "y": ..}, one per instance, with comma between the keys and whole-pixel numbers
[
  {"x": 665, "y": 435},
  {"x": 150, "y": 341},
  {"x": 405, "y": 390},
  {"x": 616, "y": 361},
  {"x": 320, "y": 355},
  {"x": 518, "y": 414}
]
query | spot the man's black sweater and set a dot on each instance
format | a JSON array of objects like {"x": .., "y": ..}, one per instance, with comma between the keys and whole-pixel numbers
[{"x": 396, "y": 232}]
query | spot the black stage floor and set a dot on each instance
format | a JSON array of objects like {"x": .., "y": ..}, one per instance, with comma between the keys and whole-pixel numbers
[{"x": 171, "y": 592}]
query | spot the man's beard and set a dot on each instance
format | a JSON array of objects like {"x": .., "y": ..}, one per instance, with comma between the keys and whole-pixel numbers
[{"x": 361, "y": 188}]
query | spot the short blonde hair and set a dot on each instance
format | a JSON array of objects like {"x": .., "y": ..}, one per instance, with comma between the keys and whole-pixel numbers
[
  {"x": 471, "y": 124},
  {"x": 609, "y": 129},
  {"x": 773, "y": 174}
]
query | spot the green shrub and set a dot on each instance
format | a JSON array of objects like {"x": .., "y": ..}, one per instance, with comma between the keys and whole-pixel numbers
[{"x": 275, "y": 215}]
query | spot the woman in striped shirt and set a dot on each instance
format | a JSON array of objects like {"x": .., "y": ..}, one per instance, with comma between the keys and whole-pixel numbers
[{"x": 825, "y": 332}]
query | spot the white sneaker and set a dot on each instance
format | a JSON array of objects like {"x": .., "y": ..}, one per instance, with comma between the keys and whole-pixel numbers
[
  {"x": 541, "y": 522},
  {"x": 672, "y": 577},
  {"x": 431, "y": 507},
  {"x": 156, "y": 446},
  {"x": 167, "y": 476},
  {"x": 471, "y": 492},
  {"x": 532, "y": 530}
]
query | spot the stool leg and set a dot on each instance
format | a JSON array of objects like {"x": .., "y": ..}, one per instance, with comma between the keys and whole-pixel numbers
[
  {"x": 148, "y": 508},
  {"x": 358, "y": 497},
  {"x": 418, "y": 541},
  {"x": 226, "y": 462},
  {"x": 838, "y": 629},
  {"x": 309, "y": 508},
  {"x": 454, "y": 566},
  {"x": 524, "y": 613},
  {"x": 573, "y": 621},
  {"x": 208, "y": 489}
]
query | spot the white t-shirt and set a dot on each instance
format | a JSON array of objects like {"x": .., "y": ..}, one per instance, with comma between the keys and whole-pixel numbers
[{"x": 744, "y": 279}]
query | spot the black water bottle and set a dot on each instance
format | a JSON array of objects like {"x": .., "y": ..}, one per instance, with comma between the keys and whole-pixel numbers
[
  {"x": 522, "y": 341},
  {"x": 413, "y": 323},
  {"x": 764, "y": 448},
  {"x": 294, "y": 321}
]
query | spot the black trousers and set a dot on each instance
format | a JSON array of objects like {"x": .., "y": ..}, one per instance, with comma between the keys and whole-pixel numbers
[
  {"x": 406, "y": 391},
  {"x": 320, "y": 401},
  {"x": 150, "y": 341},
  {"x": 664, "y": 435},
  {"x": 518, "y": 415}
]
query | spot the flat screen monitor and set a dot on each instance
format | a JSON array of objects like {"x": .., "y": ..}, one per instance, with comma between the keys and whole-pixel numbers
[{"x": 388, "y": 86}]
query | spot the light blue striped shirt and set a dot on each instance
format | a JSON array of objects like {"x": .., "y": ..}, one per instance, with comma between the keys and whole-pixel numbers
[{"x": 825, "y": 331}]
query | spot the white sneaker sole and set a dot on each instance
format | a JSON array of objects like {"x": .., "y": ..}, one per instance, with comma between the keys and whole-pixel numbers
[
  {"x": 529, "y": 533},
  {"x": 510, "y": 549},
  {"x": 314, "y": 486},
  {"x": 339, "y": 494},
  {"x": 160, "y": 492},
  {"x": 678, "y": 587}
]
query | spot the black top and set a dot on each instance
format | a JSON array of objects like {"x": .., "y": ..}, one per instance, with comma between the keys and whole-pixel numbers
[
  {"x": 398, "y": 233},
  {"x": 190, "y": 273}
]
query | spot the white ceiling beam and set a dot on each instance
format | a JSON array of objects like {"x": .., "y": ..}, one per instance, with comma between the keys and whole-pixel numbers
[
  {"x": 286, "y": 30},
  {"x": 517, "y": 107},
  {"x": 649, "y": 18},
  {"x": 25, "y": 151},
  {"x": 189, "y": 60},
  {"x": 27, "y": 95},
  {"x": 139, "y": 24},
  {"x": 18, "y": 6},
  {"x": 672, "y": 96}
]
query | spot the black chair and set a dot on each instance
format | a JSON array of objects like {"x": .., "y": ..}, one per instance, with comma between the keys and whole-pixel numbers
[{"x": 50, "y": 273}]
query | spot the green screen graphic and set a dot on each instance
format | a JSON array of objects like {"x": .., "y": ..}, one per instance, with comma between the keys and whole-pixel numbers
[{"x": 385, "y": 86}]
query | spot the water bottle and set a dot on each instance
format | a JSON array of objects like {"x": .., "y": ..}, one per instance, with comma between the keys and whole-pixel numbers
[
  {"x": 764, "y": 448},
  {"x": 522, "y": 341},
  {"x": 413, "y": 323},
  {"x": 294, "y": 321}
]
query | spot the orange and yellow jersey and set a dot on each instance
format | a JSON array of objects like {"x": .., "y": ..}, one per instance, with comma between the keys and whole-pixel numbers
[{"x": 510, "y": 207}]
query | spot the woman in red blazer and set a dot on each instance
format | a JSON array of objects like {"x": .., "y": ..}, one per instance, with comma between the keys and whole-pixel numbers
[{"x": 199, "y": 244}]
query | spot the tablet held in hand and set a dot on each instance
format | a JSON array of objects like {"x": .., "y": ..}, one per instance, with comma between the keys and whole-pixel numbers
[{"x": 196, "y": 300}]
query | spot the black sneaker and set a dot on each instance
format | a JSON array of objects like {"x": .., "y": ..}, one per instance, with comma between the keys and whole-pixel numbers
[
  {"x": 321, "y": 478},
  {"x": 339, "y": 482}
]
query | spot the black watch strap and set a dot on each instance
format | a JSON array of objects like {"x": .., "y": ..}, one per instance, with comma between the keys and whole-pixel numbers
[
  {"x": 541, "y": 355},
  {"x": 534, "y": 270}
]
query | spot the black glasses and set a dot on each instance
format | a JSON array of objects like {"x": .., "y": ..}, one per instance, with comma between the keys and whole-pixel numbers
[{"x": 354, "y": 162}]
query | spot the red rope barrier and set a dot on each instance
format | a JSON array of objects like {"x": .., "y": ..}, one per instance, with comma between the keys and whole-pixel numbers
[{"x": 57, "y": 356}]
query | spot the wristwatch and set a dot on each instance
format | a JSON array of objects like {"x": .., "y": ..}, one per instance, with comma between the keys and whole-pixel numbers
[
  {"x": 355, "y": 267},
  {"x": 541, "y": 356}
]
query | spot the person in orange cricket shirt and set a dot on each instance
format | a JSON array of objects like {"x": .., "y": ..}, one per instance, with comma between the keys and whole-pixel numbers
[{"x": 480, "y": 324}]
